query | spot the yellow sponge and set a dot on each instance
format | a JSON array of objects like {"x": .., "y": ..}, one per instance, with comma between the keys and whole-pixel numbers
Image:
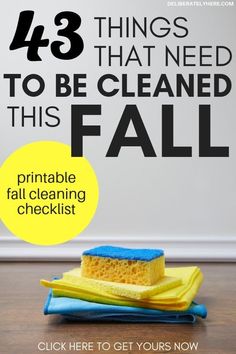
[
  {"x": 131, "y": 291},
  {"x": 124, "y": 265}
]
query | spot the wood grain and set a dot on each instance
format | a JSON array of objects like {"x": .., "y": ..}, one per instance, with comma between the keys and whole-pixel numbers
[{"x": 23, "y": 325}]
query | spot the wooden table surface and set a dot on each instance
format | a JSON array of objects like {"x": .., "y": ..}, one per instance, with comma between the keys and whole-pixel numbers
[{"x": 23, "y": 325}]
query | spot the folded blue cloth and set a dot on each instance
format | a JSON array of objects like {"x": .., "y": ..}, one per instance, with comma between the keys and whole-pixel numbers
[{"x": 80, "y": 310}]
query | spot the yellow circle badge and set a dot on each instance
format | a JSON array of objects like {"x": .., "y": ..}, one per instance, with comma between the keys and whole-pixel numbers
[{"x": 47, "y": 197}]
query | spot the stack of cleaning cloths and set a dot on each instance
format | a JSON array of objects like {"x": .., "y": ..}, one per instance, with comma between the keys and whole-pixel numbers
[{"x": 126, "y": 285}]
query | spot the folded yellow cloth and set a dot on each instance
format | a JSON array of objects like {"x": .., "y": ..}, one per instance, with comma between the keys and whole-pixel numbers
[
  {"x": 132, "y": 291},
  {"x": 176, "y": 299}
]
